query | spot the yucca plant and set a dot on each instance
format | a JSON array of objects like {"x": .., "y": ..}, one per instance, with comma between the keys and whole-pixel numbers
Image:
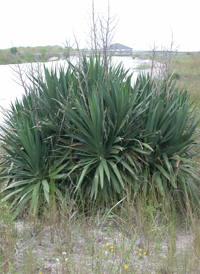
[
  {"x": 30, "y": 165},
  {"x": 105, "y": 139},
  {"x": 33, "y": 163},
  {"x": 172, "y": 122},
  {"x": 98, "y": 135}
]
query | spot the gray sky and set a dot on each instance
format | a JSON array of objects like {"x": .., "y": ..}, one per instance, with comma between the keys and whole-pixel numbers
[{"x": 141, "y": 22}]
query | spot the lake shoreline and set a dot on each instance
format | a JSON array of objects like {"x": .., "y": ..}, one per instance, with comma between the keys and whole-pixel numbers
[{"x": 12, "y": 90}]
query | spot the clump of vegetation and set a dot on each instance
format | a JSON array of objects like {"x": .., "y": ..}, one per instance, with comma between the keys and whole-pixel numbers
[
  {"x": 13, "y": 50},
  {"x": 144, "y": 66},
  {"x": 20, "y": 55},
  {"x": 175, "y": 75},
  {"x": 91, "y": 136}
]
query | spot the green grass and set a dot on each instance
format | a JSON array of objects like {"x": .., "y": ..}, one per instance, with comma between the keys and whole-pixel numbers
[{"x": 188, "y": 67}]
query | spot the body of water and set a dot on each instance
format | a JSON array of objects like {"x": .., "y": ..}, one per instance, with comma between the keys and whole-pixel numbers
[{"x": 11, "y": 86}]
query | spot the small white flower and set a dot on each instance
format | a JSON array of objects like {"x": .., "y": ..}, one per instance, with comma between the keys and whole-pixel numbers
[
  {"x": 106, "y": 252},
  {"x": 66, "y": 259},
  {"x": 64, "y": 253},
  {"x": 57, "y": 260}
]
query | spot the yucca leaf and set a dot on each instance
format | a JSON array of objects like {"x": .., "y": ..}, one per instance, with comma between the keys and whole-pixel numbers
[
  {"x": 11, "y": 194},
  {"x": 167, "y": 163},
  {"x": 173, "y": 180},
  {"x": 46, "y": 189},
  {"x": 60, "y": 168},
  {"x": 59, "y": 193},
  {"x": 124, "y": 164},
  {"x": 140, "y": 150},
  {"x": 147, "y": 146},
  {"x": 106, "y": 169},
  {"x": 20, "y": 205},
  {"x": 115, "y": 182},
  {"x": 35, "y": 198},
  {"x": 83, "y": 173},
  {"x": 163, "y": 171},
  {"x": 16, "y": 184},
  {"x": 158, "y": 182},
  {"x": 28, "y": 189},
  {"x": 101, "y": 174},
  {"x": 116, "y": 171},
  {"x": 95, "y": 184}
]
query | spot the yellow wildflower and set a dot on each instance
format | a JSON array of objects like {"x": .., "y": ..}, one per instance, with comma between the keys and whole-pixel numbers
[
  {"x": 120, "y": 234},
  {"x": 140, "y": 249},
  {"x": 126, "y": 266},
  {"x": 107, "y": 244},
  {"x": 144, "y": 253}
]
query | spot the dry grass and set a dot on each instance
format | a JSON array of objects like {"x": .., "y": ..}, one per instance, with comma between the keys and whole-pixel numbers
[{"x": 132, "y": 238}]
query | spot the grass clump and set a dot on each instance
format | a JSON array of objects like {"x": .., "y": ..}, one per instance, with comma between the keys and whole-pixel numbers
[{"x": 7, "y": 239}]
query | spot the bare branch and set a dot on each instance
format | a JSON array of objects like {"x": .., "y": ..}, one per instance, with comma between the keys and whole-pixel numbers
[
  {"x": 68, "y": 46},
  {"x": 82, "y": 92},
  {"x": 94, "y": 30},
  {"x": 162, "y": 67},
  {"x": 19, "y": 73},
  {"x": 34, "y": 95}
]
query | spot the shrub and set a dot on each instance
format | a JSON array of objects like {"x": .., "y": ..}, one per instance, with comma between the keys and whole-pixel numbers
[
  {"x": 13, "y": 50},
  {"x": 175, "y": 75},
  {"x": 95, "y": 136}
]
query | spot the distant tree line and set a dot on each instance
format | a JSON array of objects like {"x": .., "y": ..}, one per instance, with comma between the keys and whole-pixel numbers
[{"x": 19, "y": 55}]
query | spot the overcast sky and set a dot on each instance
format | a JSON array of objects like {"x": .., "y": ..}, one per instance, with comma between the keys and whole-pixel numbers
[{"x": 141, "y": 23}]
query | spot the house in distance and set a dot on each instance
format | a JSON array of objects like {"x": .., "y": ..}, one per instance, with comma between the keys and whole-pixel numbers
[{"x": 120, "y": 50}]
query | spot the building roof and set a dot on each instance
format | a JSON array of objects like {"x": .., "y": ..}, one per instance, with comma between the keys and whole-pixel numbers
[{"x": 119, "y": 47}]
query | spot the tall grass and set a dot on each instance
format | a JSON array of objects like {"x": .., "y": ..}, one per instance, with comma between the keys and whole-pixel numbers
[
  {"x": 7, "y": 239},
  {"x": 134, "y": 236}
]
